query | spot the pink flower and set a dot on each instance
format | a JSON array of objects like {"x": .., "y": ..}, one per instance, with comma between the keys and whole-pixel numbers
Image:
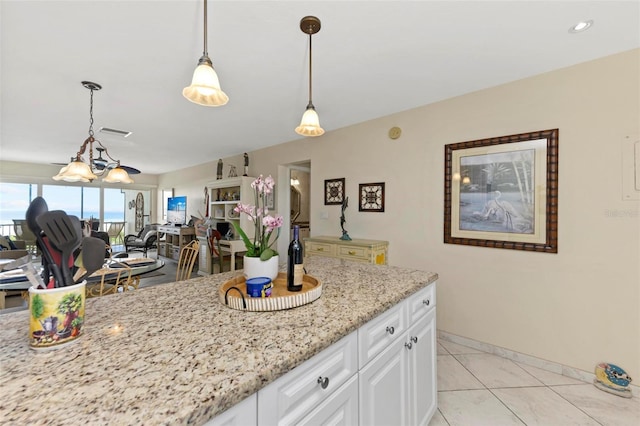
[
  {"x": 269, "y": 183},
  {"x": 272, "y": 223}
]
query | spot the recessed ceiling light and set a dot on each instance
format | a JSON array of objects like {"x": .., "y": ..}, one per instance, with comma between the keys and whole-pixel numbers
[{"x": 581, "y": 26}]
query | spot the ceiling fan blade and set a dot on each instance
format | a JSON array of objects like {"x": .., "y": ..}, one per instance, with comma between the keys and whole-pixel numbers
[{"x": 130, "y": 170}]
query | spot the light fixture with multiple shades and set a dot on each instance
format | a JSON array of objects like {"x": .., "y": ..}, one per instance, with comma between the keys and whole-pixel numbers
[
  {"x": 310, "y": 123},
  {"x": 205, "y": 86},
  {"x": 79, "y": 171}
]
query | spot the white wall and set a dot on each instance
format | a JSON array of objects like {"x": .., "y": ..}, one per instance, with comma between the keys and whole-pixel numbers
[{"x": 578, "y": 307}]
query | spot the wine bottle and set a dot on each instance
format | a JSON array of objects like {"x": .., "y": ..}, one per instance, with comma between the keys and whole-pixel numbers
[{"x": 295, "y": 268}]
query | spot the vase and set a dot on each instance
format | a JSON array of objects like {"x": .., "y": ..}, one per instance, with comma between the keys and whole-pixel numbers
[{"x": 254, "y": 267}]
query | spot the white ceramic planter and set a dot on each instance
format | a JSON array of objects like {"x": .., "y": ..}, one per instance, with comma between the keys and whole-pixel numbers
[{"x": 254, "y": 267}]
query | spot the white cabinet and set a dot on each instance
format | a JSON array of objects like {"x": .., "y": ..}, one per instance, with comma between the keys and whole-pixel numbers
[
  {"x": 382, "y": 374},
  {"x": 339, "y": 408},
  {"x": 241, "y": 414},
  {"x": 398, "y": 386},
  {"x": 294, "y": 396},
  {"x": 384, "y": 387}
]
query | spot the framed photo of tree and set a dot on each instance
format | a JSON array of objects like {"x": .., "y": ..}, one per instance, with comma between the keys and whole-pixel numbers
[
  {"x": 333, "y": 191},
  {"x": 502, "y": 192}
]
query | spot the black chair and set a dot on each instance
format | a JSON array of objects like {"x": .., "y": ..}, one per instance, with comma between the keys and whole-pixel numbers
[{"x": 145, "y": 240}]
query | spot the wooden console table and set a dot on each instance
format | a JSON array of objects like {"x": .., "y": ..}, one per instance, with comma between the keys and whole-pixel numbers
[
  {"x": 369, "y": 251},
  {"x": 176, "y": 237}
]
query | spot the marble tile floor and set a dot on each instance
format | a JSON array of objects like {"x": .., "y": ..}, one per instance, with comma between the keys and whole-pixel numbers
[{"x": 476, "y": 388}]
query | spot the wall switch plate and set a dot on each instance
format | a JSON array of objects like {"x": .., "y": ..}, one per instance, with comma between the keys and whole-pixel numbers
[{"x": 631, "y": 167}]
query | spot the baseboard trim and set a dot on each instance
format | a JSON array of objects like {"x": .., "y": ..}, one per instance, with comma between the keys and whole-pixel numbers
[{"x": 543, "y": 364}]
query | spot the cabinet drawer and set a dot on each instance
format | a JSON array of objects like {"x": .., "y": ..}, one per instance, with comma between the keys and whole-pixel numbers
[
  {"x": 381, "y": 331},
  {"x": 291, "y": 397},
  {"x": 322, "y": 249},
  {"x": 420, "y": 303},
  {"x": 354, "y": 253}
]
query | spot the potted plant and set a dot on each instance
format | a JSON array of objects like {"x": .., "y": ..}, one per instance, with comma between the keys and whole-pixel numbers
[{"x": 261, "y": 259}]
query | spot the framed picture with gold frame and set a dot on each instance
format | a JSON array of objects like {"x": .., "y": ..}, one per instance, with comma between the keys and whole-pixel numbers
[
  {"x": 333, "y": 191},
  {"x": 502, "y": 192},
  {"x": 371, "y": 197}
]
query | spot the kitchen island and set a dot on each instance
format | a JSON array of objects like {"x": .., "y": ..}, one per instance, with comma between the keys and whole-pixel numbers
[{"x": 173, "y": 354}]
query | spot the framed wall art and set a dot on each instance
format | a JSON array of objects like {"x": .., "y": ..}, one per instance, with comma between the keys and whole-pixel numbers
[
  {"x": 333, "y": 191},
  {"x": 502, "y": 192},
  {"x": 270, "y": 199},
  {"x": 371, "y": 197}
]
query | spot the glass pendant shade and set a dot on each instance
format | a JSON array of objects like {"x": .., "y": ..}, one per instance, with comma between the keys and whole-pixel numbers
[
  {"x": 310, "y": 123},
  {"x": 76, "y": 171},
  {"x": 205, "y": 86},
  {"x": 118, "y": 175}
]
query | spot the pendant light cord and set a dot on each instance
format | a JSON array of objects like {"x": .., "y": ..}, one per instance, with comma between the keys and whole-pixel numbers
[
  {"x": 205, "y": 52},
  {"x": 310, "y": 81}
]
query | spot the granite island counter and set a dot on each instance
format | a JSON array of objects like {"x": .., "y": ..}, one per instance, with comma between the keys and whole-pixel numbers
[{"x": 173, "y": 354}]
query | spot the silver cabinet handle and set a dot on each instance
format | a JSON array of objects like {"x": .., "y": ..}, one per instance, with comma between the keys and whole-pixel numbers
[
  {"x": 426, "y": 302},
  {"x": 390, "y": 330},
  {"x": 414, "y": 339},
  {"x": 324, "y": 382},
  {"x": 408, "y": 345}
]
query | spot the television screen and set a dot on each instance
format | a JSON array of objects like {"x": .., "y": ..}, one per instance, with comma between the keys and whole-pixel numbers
[{"x": 177, "y": 210}]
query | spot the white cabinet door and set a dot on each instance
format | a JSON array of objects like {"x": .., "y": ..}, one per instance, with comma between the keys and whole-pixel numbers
[
  {"x": 422, "y": 370},
  {"x": 244, "y": 413},
  {"x": 383, "y": 387},
  {"x": 293, "y": 396},
  {"x": 340, "y": 408}
]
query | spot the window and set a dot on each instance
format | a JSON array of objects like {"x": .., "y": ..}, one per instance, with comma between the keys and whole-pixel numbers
[{"x": 14, "y": 201}]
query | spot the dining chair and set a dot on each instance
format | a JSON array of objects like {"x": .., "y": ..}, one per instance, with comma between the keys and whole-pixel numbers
[
  {"x": 216, "y": 251},
  {"x": 110, "y": 285},
  {"x": 187, "y": 259},
  {"x": 115, "y": 232},
  {"x": 24, "y": 233}
]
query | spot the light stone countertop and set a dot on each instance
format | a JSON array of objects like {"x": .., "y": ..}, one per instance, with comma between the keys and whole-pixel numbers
[{"x": 180, "y": 356}]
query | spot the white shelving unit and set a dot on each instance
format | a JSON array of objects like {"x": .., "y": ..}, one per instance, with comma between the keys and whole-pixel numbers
[{"x": 225, "y": 196}]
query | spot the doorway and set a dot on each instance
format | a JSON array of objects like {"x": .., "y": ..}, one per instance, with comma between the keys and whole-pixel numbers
[{"x": 299, "y": 199}]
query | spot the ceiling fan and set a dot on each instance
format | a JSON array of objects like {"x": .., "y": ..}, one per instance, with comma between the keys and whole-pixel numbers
[{"x": 101, "y": 165}]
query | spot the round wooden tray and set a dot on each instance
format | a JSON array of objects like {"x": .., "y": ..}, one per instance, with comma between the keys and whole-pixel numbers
[{"x": 233, "y": 293}]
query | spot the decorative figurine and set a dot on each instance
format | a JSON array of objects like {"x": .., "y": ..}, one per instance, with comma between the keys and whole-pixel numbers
[
  {"x": 613, "y": 379},
  {"x": 232, "y": 171},
  {"x": 345, "y": 234},
  {"x": 246, "y": 165},
  {"x": 219, "y": 169}
]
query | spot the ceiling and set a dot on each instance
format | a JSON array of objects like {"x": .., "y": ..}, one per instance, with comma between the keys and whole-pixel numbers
[{"x": 370, "y": 59}]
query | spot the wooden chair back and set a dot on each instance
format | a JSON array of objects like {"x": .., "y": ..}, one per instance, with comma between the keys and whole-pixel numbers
[{"x": 187, "y": 259}]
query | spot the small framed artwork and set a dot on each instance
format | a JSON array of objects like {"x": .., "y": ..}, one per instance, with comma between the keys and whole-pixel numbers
[
  {"x": 371, "y": 197},
  {"x": 333, "y": 191},
  {"x": 270, "y": 199},
  {"x": 502, "y": 192}
]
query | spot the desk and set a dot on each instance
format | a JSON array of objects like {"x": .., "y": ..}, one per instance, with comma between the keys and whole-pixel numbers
[
  {"x": 231, "y": 247},
  {"x": 176, "y": 237}
]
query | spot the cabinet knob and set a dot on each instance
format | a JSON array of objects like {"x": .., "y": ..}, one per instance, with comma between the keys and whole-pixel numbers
[
  {"x": 320, "y": 249},
  {"x": 426, "y": 302},
  {"x": 414, "y": 339},
  {"x": 408, "y": 345},
  {"x": 352, "y": 253},
  {"x": 324, "y": 382},
  {"x": 390, "y": 330}
]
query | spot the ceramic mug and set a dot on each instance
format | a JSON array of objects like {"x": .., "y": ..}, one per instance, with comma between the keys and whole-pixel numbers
[{"x": 56, "y": 315}]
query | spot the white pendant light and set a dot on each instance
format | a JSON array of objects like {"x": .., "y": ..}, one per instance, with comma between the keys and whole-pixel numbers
[
  {"x": 310, "y": 123},
  {"x": 205, "y": 87}
]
